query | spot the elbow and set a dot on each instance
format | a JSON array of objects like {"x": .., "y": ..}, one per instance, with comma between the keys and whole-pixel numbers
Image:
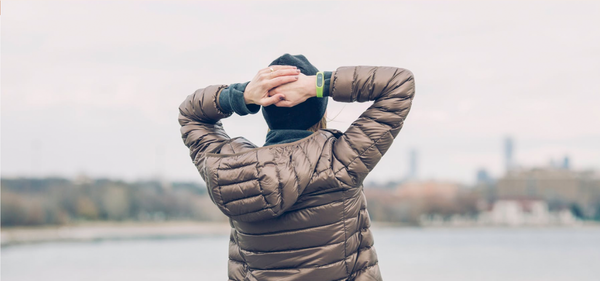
[{"x": 402, "y": 85}]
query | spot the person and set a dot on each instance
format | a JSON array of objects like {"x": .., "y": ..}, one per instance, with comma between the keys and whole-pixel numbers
[{"x": 296, "y": 205}]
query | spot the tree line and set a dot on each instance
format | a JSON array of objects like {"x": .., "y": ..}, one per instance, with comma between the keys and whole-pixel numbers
[{"x": 59, "y": 201}]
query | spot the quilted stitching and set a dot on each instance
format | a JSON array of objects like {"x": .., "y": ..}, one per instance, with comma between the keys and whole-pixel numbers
[{"x": 293, "y": 180}]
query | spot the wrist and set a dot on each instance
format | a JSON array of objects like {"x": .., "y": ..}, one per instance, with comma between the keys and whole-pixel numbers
[
  {"x": 247, "y": 99},
  {"x": 311, "y": 86},
  {"x": 248, "y": 96}
]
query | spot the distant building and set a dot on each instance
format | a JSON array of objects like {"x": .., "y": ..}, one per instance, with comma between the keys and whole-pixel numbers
[
  {"x": 507, "y": 213},
  {"x": 558, "y": 187},
  {"x": 485, "y": 185},
  {"x": 525, "y": 212},
  {"x": 566, "y": 163},
  {"x": 483, "y": 177},
  {"x": 412, "y": 165},
  {"x": 425, "y": 189},
  {"x": 508, "y": 154}
]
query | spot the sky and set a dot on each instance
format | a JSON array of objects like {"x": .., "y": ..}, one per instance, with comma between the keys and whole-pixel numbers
[{"x": 94, "y": 87}]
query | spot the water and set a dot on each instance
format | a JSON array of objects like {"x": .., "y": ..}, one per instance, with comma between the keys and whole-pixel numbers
[{"x": 404, "y": 253}]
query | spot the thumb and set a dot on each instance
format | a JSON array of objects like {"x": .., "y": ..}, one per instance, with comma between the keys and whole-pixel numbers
[{"x": 272, "y": 100}]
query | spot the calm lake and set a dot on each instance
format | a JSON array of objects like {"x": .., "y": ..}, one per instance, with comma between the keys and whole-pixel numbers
[{"x": 405, "y": 254}]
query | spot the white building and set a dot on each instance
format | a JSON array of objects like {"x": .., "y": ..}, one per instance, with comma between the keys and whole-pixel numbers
[{"x": 525, "y": 212}]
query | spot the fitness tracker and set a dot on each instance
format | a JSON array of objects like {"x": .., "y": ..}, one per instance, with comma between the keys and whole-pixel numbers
[{"x": 320, "y": 84}]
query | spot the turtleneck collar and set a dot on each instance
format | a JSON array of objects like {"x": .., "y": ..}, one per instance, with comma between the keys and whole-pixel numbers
[{"x": 285, "y": 136}]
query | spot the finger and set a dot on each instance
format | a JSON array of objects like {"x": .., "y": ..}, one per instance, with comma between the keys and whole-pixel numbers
[
  {"x": 284, "y": 103},
  {"x": 284, "y": 71},
  {"x": 275, "y": 67},
  {"x": 271, "y": 93},
  {"x": 278, "y": 81},
  {"x": 271, "y": 100}
]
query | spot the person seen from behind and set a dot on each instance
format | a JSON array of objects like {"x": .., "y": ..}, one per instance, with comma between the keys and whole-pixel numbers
[{"x": 296, "y": 205}]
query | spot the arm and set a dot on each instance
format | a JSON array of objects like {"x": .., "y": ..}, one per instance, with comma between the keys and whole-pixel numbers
[
  {"x": 200, "y": 113},
  {"x": 359, "y": 149},
  {"x": 201, "y": 128},
  {"x": 363, "y": 144}
]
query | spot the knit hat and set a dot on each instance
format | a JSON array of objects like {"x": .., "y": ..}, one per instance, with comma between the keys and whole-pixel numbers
[{"x": 303, "y": 115}]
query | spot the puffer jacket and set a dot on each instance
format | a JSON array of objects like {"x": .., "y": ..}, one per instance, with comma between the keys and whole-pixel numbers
[{"x": 297, "y": 210}]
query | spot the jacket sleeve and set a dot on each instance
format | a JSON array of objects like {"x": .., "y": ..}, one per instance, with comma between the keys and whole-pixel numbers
[
  {"x": 201, "y": 128},
  {"x": 362, "y": 145}
]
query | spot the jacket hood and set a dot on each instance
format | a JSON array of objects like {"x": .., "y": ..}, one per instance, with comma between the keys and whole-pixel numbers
[{"x": 250, "y": 183}]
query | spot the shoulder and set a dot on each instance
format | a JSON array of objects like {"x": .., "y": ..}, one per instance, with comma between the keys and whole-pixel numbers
[
  {"x": 237, "y": 145},
  {"x": 332, "y": 133}
]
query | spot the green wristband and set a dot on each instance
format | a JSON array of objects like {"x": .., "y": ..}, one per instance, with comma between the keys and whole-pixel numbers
[{"x": 320, "y": 84}]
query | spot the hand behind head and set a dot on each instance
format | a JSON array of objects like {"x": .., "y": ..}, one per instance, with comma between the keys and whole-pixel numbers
[{"x": 295, "y": 92}]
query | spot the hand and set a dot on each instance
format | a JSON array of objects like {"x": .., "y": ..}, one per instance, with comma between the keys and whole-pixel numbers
[
  {"x": 296, "y": 92},
  {"x": 257, "y": 91}
]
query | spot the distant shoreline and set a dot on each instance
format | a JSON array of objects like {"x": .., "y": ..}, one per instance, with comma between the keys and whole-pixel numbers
[
  {"x": 99, "y": 231},
  {"x": 104, "y": 231}
]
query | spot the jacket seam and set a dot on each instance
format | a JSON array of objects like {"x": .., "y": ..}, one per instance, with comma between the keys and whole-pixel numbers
[
  {"x": 373, "y": 83},
  {"x": 345, "y": 231},
  {"x": 291, "y": 231},
  {"x": 386, "y": 124},
  {"x": 301, "y": 267},
  {"x": 262, "y": 191},
  {"x": 356, "y": 273},
  {"x": 220, "y": 191},
  {"x": 354, "y": 93},
  {"x": 246, "y": 267},
  {"x": 301, "y": 148},
  {"x": 239, "y": 182},
  {"x": 387, "y": 131},
  {"x": 279, "y": 187},
  {"x": 236, "y": 167},
  {"x": 299, "y": 229},
  {"x": 236, "y": 261},
  {"x": 248, "y": 197},
  {"x": 333, "y": 84},
  {"x": 267, "y": 208},
  {"x": 361, "y": 154},
  {"x": 290, "y": 250},
  {"x": 217, "y": 104},
  {"x": 201, "y": 103},
  {"x": 295, "y": 178}
]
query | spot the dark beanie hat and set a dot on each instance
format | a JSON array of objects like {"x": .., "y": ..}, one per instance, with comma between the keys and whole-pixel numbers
[{"x": 303, "y": 115}]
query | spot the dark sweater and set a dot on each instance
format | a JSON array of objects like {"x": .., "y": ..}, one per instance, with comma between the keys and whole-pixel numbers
[{"x": 232, "y": 100}]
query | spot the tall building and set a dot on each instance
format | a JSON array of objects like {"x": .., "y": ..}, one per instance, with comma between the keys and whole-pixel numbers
[
  {"x": 508, "y": 154},
  {"x": 566, "y": 163},
  {"x": 485, "y": 185},
  {"x": 412, "y": 165},
  {"x": 483, "y": 176}
]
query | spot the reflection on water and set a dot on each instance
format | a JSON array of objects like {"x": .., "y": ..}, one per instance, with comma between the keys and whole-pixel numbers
[{"x": 405, "y": 254}]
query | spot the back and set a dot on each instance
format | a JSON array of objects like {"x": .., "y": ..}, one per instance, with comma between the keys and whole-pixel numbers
[{"x": 297, "y": 210}]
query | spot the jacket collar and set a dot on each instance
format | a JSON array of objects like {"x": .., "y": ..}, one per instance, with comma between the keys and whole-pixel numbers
[{"x": 285, "y": 136}]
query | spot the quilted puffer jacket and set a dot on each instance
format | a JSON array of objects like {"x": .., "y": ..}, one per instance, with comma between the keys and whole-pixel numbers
[{"x": 297, "y": 210}]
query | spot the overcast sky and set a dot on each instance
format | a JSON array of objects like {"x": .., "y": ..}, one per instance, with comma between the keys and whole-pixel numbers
[{"x": 94, "y": 87}]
